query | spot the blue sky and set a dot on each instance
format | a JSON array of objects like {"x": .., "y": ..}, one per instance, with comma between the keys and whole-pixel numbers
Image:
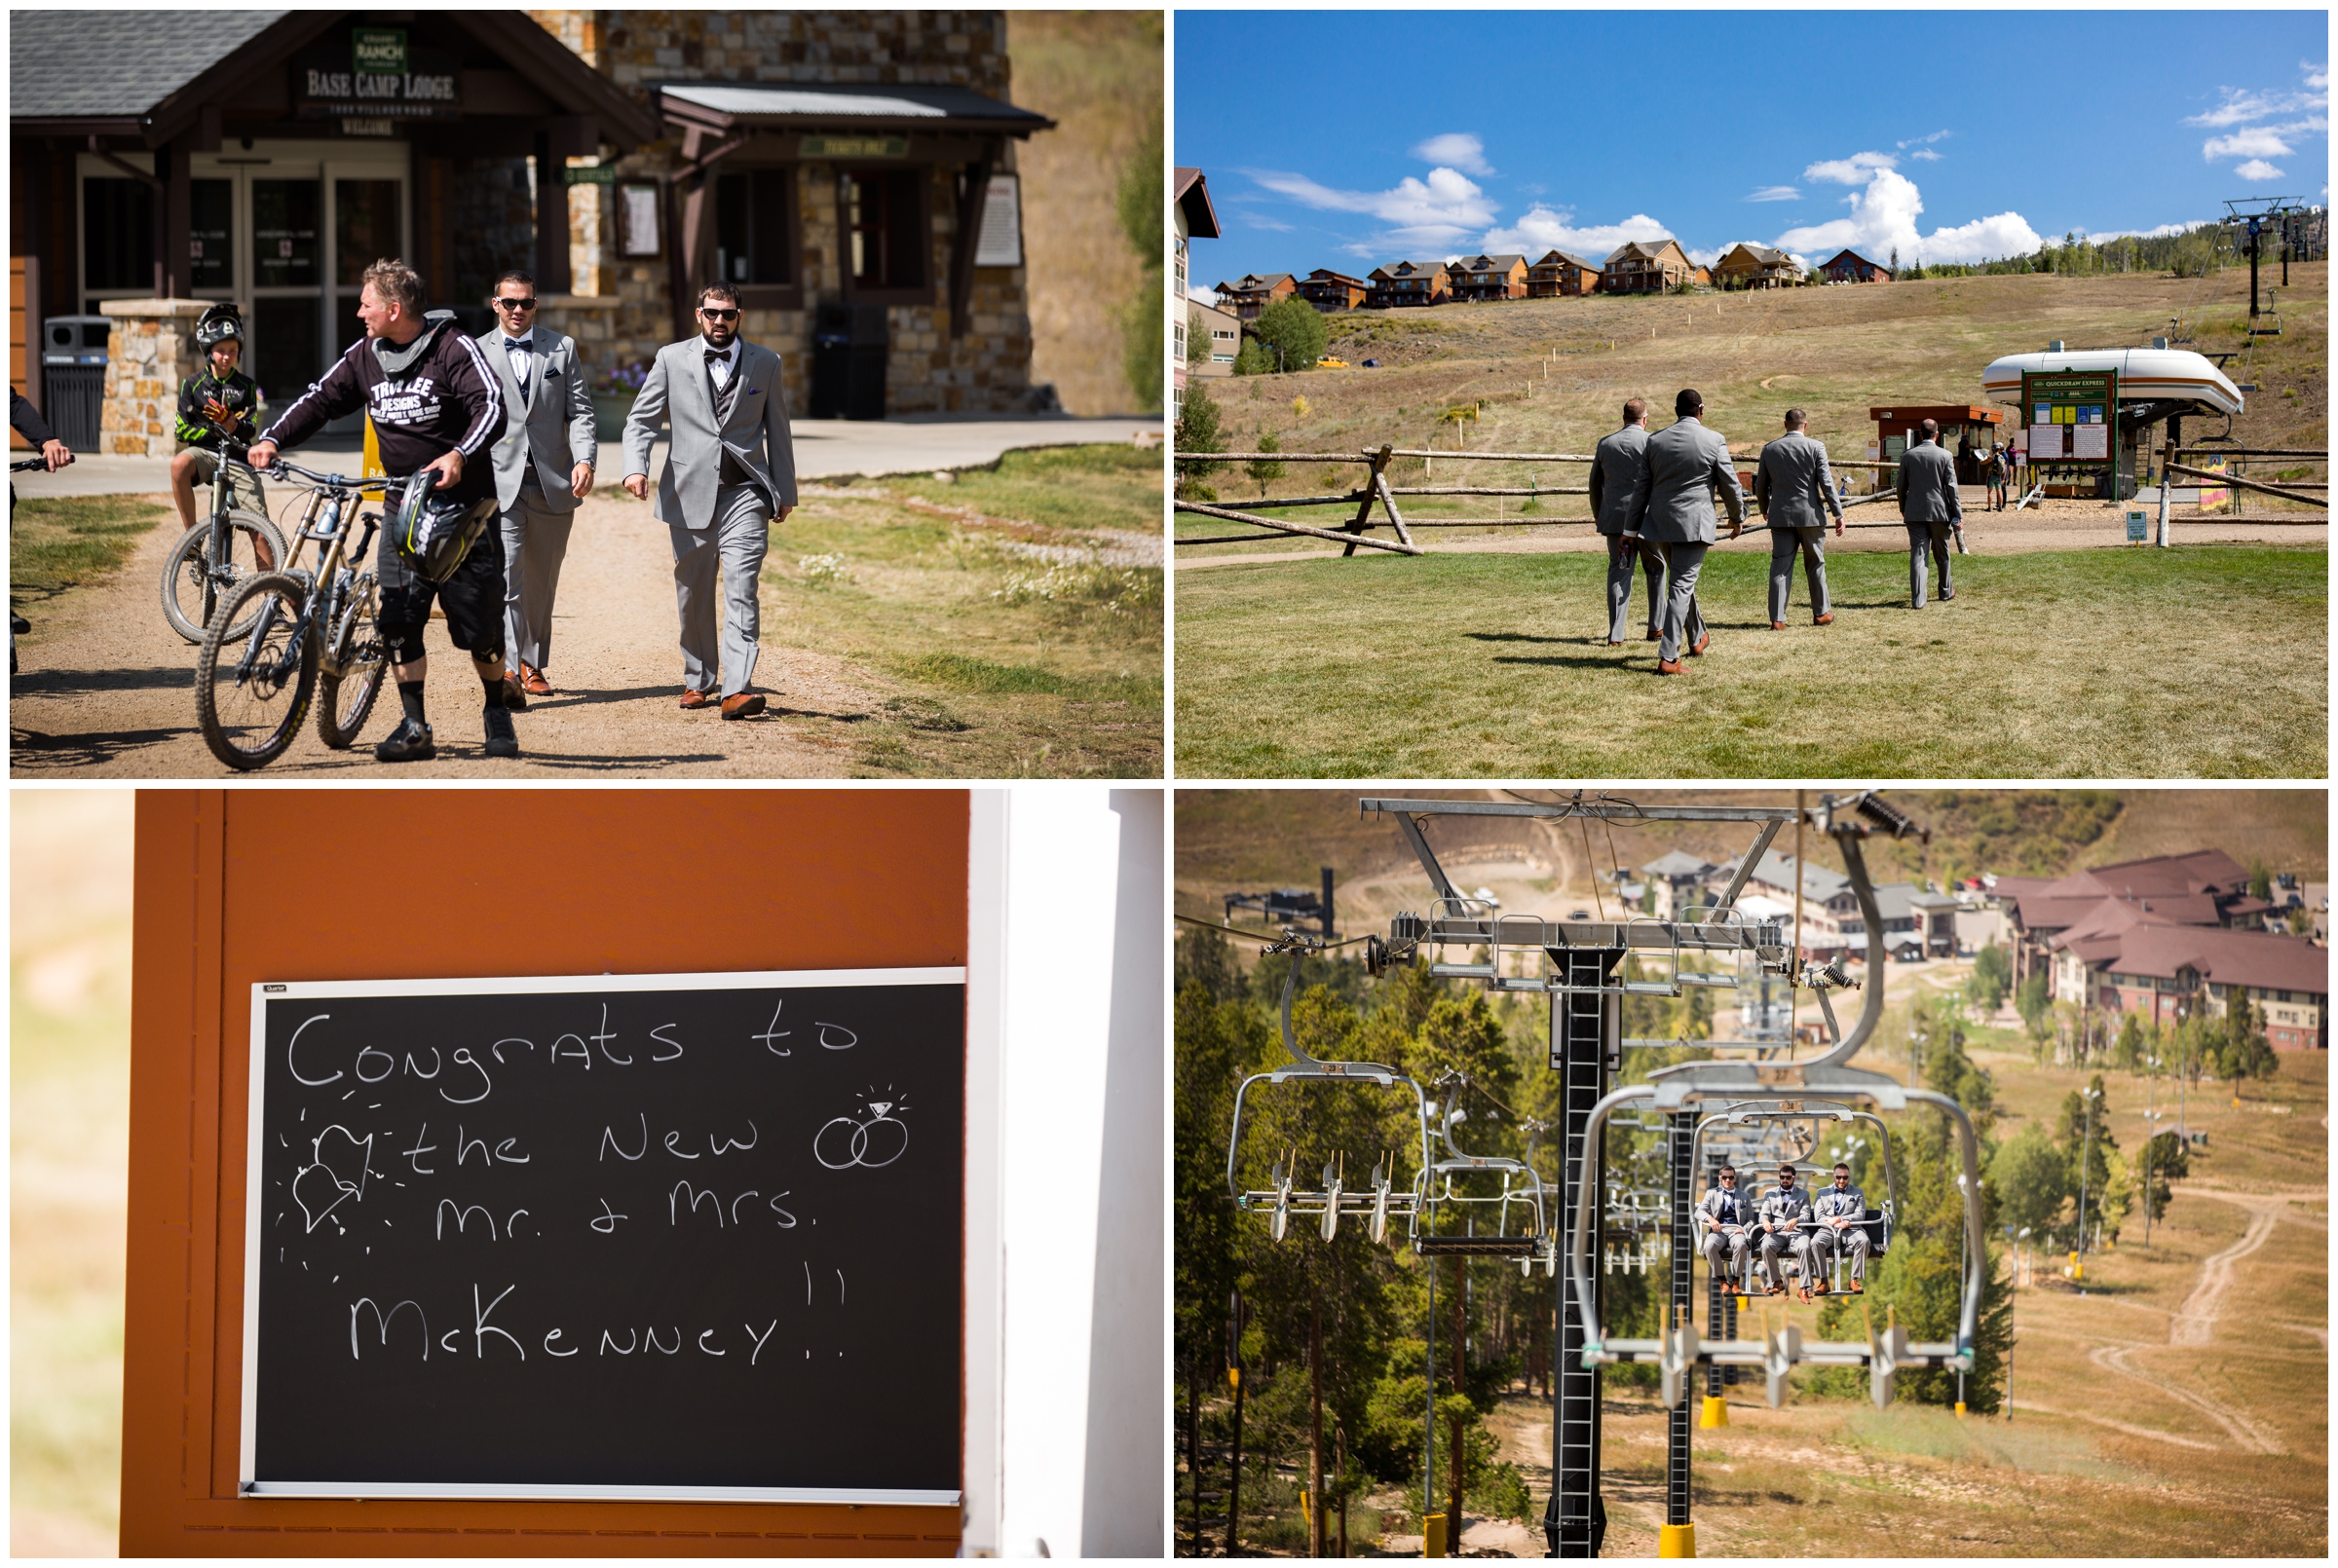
[{"x": 1351, "y": 139}]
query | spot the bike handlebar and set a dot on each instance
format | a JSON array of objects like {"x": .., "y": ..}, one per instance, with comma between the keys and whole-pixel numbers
[
  {"x": 329, "y": 481},
  {"x": 28, "y": 464}
]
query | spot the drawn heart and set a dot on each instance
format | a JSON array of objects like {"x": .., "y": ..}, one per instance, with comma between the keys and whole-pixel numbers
[{"x": 358, "y": 1153}]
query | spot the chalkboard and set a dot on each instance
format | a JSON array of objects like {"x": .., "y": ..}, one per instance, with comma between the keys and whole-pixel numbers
[{"x": 633, "y": 1237}]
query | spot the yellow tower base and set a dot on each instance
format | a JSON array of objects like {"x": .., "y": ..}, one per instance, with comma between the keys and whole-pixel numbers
[
  {"x": 1432, "y": 1543},
  {"x": 1676, "y": 1541},
  {"x": 1960, "y": 1410},
  {"x": 1716, "y": 1412}
]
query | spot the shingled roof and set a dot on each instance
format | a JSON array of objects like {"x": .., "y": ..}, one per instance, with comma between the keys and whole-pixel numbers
[{"x": 117, "y": 65}]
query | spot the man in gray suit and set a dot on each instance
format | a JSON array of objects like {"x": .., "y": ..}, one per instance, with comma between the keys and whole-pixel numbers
[
  {"x": 1795, "y": 490},
  {"x": 1678, "y": 468},
  {"x": 1615, "y": 471},
  {"x": 730, "y": 474},
  {"x": 543, "y": 467},
  {"x": 1930, "y": 507}
]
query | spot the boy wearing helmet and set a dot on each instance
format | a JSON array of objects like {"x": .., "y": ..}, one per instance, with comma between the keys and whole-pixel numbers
[{"x": 216, "y": 406}]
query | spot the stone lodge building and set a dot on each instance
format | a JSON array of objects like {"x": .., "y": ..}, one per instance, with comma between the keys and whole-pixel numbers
[{"x": 851, "y": 173}]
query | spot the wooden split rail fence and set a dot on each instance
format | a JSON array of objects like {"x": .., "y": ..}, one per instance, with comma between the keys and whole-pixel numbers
[{"x": 1377, "y": 491}]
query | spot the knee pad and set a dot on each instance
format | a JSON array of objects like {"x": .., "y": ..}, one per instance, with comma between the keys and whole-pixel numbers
[{"x": 401, "y": 617}]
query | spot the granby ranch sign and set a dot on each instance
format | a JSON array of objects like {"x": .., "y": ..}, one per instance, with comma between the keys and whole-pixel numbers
[{"x": 377, "y": 77}]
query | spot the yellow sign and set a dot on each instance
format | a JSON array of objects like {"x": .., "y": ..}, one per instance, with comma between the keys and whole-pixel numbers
[{"x": 2217, "y": 498}]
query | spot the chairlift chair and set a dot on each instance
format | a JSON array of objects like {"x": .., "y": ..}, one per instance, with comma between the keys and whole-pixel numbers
[
  {"x": 1375, "y": 1202},
  {"x": 1734, "y": 1084}
]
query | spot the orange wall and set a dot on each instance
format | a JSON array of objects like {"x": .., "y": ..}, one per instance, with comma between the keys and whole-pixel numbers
[{"x": 235, "y": 887}]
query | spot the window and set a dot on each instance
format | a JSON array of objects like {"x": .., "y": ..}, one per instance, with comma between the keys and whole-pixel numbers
[
  {"x": 754, "y": 232},
  {"x": 117, "y": 235},
  {"x": 885, "y": 223},
  {"x": 210, "y": 224}
]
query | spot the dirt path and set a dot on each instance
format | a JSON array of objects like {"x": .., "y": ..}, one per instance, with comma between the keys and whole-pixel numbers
[
  {"x": 2197, "y": 1317},
  {"x": 2056, "y": 526},
  {"x": 107, "y": 689}
]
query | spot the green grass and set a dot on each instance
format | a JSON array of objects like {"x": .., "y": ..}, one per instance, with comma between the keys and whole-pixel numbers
[
  {"x": 2200, "y": 662},
  {"x": 69, "y": 541},
  {"x": 1117, "y": 486},
  {"x": 993, "y": 662}
]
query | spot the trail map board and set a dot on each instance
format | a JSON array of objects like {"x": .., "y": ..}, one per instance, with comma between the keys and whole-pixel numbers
[
  {"x": 2073, "y": 422},
  {"x": 608, "y": 1237}
]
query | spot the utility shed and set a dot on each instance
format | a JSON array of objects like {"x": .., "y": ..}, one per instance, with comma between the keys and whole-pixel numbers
[{"x": 1962, "y": 425}]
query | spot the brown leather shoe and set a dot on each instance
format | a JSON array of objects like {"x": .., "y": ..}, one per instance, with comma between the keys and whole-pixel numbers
[
  {"x": 742, "y": 704},
  {"x": 532, "y": 681},
  {"x": 1615, "y": 642},
  {"x": 1776, "y": 626},
  {"x": 1702, "y": 643},
  {"x": 693, "y": 697},
  {"x": 1668, "y": 666},
  {"x": 1654, "y": 636},
  {"x": 1827, "y": 619},
  {"x": 514, "y": 699}
]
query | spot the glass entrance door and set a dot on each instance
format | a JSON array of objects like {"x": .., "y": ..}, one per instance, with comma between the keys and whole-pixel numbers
[
  {"x": 367, "y": 229},
  {"x": 286, "y": 278}
]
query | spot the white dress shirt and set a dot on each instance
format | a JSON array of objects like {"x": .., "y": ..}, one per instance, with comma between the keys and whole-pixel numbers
[
  {"x": 719, "y": 369},
  {"x": 521, "y": 351}
]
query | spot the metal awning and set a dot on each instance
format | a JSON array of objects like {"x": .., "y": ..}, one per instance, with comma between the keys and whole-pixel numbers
[{"x": 724, "y": 106}]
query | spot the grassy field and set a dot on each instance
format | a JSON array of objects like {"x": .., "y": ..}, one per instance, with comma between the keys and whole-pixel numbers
[
  {"x": 69, "y": 541},
  {"x": 1016, "y": 611},
  {"x": 2095, "y": 663},
  {"x": 1541, "y": 375}
]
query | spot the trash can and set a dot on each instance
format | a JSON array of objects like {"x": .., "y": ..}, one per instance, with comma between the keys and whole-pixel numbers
[
  {"x": 73, "y": 361},
  {"x": 848, "y": 346}
]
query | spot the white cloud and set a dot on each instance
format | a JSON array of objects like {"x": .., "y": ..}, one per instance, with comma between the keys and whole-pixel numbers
[
  {"x": 1776, "y": 192},
  {"x": 1457, "y": 149},
  {"x": 2318, "y": 77},
  {"x": 1706, "y": 258},
  {"x": 2165, "y": 231},
  {"x": 1852, "y": 171},
  {"x": 1924, "y": 141},
  {"x": 1201, "y": 295},
  {"x": 1420, "y": 214},
  {"x": 2240, "y": 106},
  {"x": 2256, "y": 168},
  {"x": 1546, "y": 227},
  {"x": 1883, "y": 218},
  {"x": 2259, "y": 141},
  {"x": 1250, "y": 220},
  {"x": 1926, "y": 154}
]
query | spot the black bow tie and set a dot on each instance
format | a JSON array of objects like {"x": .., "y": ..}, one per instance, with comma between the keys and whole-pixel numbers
[
  {"x": 518, "y": 343},
  {"x": 716, "y": 356}
]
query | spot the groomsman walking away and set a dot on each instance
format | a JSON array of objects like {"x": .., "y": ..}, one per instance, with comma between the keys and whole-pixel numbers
[
  {"x": 1615, "y": 477},
  {"x": 1679, "y": 468},
  {"x": 730, "y": 475},
  {"x": 1796, "y": 492},
  {"x": 1930, "y": 507},
  {"x": 543, "y": 467}
]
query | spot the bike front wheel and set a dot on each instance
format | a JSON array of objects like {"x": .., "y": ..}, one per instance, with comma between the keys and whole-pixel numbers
[
  {"x": 193, "y": 584},
  {"x": 253, "y": 686},
  {"x": 352, "y": 679}
]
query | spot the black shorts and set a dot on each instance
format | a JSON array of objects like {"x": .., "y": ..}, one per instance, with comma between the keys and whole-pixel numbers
[{"x": 473, "y": 599}]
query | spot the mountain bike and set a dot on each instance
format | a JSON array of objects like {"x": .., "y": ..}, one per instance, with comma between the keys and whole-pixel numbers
[
  {"x": 209, "y": 560},
  {"x": 282, "y": 637}
]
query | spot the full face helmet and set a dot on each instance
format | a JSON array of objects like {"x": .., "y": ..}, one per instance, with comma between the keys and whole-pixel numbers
[
  {"x": 219, "y": 324},
  {"x": 432, "y": 533}
]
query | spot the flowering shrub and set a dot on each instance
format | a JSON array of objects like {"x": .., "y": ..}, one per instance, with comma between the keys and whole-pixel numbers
[
  {"x": 823, "y": 571},
  {"x": 1115, "y": 590},
  {"x": 625, "y": 378}
]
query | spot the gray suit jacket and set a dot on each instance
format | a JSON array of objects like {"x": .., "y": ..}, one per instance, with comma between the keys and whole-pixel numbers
[
  {"x": 1678, "y": 469},
  {"x": 1615, "y": 478},
  {"x": 1792, "y": 485},
  {"x": 1928, "y": 486},
  {"x": 552, "y": 424},
  {"x": 756, "y": 433}
]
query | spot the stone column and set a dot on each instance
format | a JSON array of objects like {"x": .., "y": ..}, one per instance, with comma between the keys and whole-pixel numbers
[{"x": 149, "y": 351}]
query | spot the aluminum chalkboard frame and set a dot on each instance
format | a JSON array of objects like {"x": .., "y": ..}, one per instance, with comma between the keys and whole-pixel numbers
[{"x": 851, "y": 1076}]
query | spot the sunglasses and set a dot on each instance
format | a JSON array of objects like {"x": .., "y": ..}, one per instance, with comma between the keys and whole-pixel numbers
[
  {"x": 718, "y": 315},
  {"x": 527, "y": 304}
]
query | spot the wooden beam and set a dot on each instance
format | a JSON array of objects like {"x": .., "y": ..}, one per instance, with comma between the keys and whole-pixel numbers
[
  {"x": 1352, "y": 541},
  {"x": 2213, "y": 480},
  {"x": 962, "y": 243}
]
